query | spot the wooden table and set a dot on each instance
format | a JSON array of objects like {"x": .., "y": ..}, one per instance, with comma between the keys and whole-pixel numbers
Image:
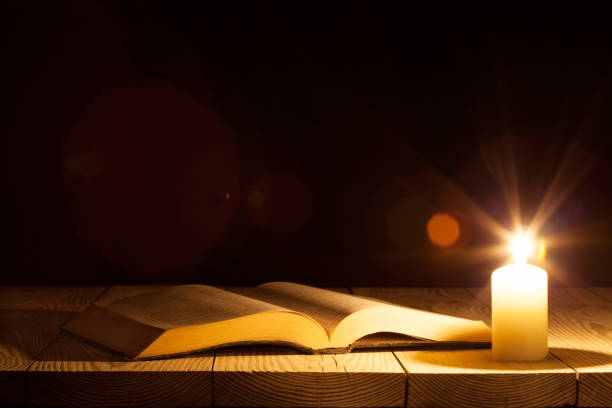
[{"x": 41, "y": 366}]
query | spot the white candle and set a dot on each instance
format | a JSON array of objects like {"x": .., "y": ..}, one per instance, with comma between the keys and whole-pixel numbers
[{"x": 520, "y": 308}]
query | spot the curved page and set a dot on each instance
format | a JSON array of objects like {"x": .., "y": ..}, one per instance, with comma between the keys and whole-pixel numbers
[
  {"x": 192, "y": 317},
  {"x": 327, "y": 307},
  {"x": 347, "y": 318},
  {"x": 187, "y": 305}
]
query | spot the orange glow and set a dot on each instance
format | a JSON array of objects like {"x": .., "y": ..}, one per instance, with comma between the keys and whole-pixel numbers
[
  {"x": 443, "y": 230},
  {"x": 256, "y": 199},
  {"x": 542, "y": 251}
]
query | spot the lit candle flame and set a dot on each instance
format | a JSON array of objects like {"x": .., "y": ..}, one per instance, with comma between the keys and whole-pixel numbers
[{"x": 522, "y": 246}]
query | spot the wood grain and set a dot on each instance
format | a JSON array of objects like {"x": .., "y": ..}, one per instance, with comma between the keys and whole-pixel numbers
[
  {"x": 580, "y": 335},
  {"x": 604, "y": 292},
  {"x": 30, "y": 318},
  {"x": 73, "y": 373},
  {"x": 471, "y": 378},
  {"x": 261, "y": 377},
  {"x": 64, "y": 371},
  {"x": 276, "y": 377}
]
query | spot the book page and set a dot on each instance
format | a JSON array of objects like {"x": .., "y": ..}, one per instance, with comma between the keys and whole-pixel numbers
[
  {"x": 327, "y": 307},
  {"x": 187, "y": 305},
  {"x": 347, "y": 318}
]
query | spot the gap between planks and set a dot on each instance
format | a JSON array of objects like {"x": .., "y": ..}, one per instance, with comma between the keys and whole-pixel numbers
[
  {"x": 74, "y": 373},
  {"x": 26, "y": 395},
  {"x": 580, "y": 335},
  {"x": 267, "y": 376},
  {"x": 30, "y": 317},
  {"x": 471, "y": 377},
  {"x": 396, "y": 355},
  {"x": 59, "y": 332}
]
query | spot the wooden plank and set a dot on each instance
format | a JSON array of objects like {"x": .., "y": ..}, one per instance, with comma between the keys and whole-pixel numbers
[
  {"x": 265, "y": 377},
  {"x": 30, "y": 318},
  {"x": 471, "y": 378},
  {"x": 580, "y": 335},
  {"x": 604, "y": 292},
  {"x": 74, "y": 373},
  {"x": 275, "y": 377}
]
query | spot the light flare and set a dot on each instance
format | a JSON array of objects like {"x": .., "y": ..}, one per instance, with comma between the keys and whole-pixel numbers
[{"x": 522, "y": 246}]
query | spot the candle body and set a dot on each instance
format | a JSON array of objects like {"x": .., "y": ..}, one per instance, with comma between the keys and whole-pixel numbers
[{"x": 519, "y": 300}]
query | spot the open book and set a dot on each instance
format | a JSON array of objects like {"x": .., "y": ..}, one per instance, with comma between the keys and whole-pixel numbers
[{"x": 187, "y": 318}]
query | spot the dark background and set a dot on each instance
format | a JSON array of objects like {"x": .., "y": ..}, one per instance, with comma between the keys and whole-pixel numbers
[{"x": 236, "y": 143}]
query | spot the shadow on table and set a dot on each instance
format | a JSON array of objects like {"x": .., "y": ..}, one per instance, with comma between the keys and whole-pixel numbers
[
  {"x": 24, "y": 333},
  {"x": 483, "y": 359},
  {"x": 582, "y": 358},
  {"x": 68, "y": 347}
]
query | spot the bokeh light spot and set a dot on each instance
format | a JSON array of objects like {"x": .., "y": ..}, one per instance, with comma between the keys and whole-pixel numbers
[
  {"x": 443, "y": 230},
  {"x": 148, "y": 171},
  {"x": 279, "y": 202},
  {"x": 256, "y": 199}
]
